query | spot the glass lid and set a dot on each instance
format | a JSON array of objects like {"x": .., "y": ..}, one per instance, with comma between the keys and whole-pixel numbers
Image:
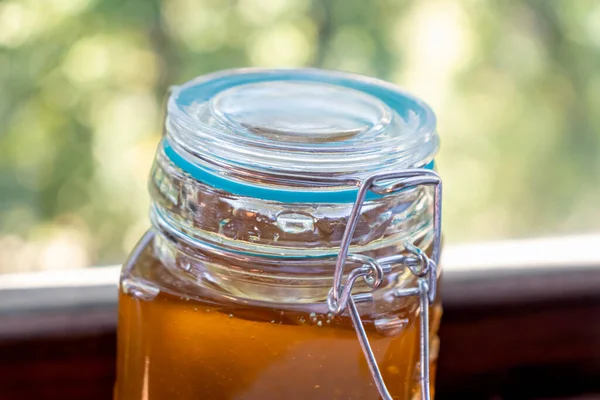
[{"x": 303, "y": 128}]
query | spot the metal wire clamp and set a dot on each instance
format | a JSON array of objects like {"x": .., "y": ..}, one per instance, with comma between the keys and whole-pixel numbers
[{"x": 372, "y": 271}]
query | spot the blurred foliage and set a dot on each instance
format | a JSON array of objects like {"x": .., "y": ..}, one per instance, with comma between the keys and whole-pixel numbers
[{"x": 515, "y": 84}]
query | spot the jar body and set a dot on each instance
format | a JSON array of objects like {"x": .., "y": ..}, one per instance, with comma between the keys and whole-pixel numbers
[
  {"x": 241, "y": 288},
  {"x": 179, "y": 342}
]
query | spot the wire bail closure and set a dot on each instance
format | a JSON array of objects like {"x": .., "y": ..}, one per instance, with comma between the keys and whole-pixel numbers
[{"x": 340, "y": 296}]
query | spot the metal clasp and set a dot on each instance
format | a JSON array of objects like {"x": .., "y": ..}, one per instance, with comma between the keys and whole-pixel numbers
[{"x": 372, "y": 271}]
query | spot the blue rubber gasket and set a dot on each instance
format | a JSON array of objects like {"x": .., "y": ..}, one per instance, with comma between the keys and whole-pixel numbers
[{"x": 248, "y": 189}]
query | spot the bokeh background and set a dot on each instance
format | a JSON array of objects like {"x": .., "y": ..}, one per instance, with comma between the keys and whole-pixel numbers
[{"x": 515, "y": 85}]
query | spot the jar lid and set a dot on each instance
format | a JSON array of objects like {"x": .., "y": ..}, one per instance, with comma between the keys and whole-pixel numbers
[{"x": 295, "y": 135}]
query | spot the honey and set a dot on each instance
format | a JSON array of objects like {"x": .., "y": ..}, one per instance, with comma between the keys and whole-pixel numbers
[
  {"x": 291, "y": 209},
  {"x": 187, "y": 347}
]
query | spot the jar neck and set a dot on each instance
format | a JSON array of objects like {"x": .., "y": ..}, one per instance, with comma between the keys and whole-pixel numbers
[
  {"x": 217, "y": 219},
  {"x": 272, "y": 251}
]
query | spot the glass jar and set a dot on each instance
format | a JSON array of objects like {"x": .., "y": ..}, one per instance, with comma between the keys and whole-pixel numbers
[{"x": 294, "y": 243}]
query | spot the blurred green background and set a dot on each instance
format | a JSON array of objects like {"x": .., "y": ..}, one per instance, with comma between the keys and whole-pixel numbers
[{"x": 515, "y": 84}]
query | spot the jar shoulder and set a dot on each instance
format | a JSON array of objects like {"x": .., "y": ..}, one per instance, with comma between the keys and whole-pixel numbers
[{"x": 146, "y": 276}]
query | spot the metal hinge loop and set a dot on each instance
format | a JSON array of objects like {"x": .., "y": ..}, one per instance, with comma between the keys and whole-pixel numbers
[{"x": 373, "y": 271}]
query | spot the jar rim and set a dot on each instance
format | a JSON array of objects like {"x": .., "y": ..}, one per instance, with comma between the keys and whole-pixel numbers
[{"x": 306, "y": 129}]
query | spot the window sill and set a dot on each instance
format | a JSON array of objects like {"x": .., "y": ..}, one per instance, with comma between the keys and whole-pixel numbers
[{"x": 521, "y": 320}]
